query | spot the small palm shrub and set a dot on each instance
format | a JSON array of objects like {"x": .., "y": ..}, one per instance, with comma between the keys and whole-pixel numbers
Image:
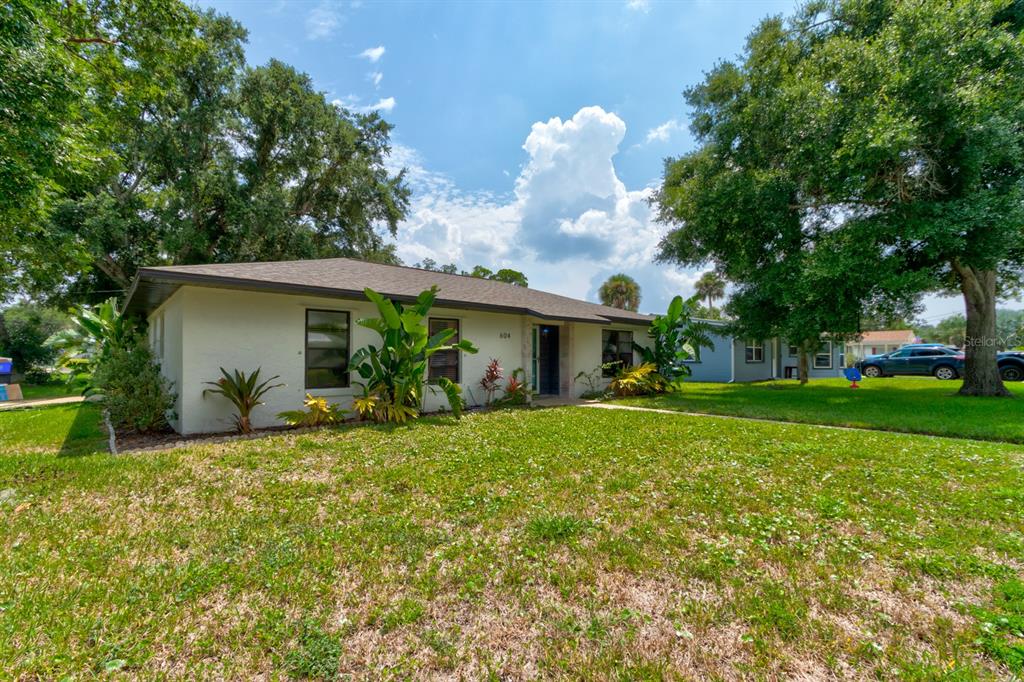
[
  {"x": 136, "y": 396},
  {"x": 642, "y": 379},
  {"x": 592, "y": 380},
  {"x": 93, "y": 334},
  {"x": 244, "y": 392},
  {"x": 516, "y": 390},
  {"x": 491, "y": 380},
  {"x": 318, "y": 412}
]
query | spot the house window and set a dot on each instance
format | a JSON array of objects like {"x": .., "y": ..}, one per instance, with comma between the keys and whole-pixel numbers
[
  {"x": 327, "y": 345},
  {"x": 793, "y": 351},
  {"x": 616, "y": 346},
  {"x": 823, "y": 358},
  {"x": 444, "y": 363},
  {"x": 755, "y": 351},
  {"x": 156, "y": 330}
]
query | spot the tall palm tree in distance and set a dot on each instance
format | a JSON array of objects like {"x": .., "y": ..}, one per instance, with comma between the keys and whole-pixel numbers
[
  {"x": 710, "y": 286},
  {"x": 620, "y": 291}
]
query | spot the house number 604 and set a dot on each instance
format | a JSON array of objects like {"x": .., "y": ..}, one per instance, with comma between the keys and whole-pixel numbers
[{"x": 504, "y": 335}]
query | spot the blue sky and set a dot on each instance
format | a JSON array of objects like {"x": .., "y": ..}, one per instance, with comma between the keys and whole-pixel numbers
[{"x": 532, "y": 131}]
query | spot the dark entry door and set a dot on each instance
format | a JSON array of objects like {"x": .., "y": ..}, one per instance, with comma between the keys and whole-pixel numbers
[{"x": 547, "y": 360}]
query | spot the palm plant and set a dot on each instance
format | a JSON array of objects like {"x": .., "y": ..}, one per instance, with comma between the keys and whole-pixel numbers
[
  {"x": 320, "y": 412},
  {"x": 394, "y": 373},
  {"x": 93, "y": 333},
  {"x": 244, "y": 392},
  {"x": 677, "y": 337},
  {"x": 710, "y": 286},
  {"x": 620, "y": 291},
  {"x": 644, "y": 379}
]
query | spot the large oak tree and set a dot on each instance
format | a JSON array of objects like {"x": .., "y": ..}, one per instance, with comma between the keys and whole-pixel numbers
[
  {"x": 196, "y": 157},
  {"x": 858, "y": 154}
]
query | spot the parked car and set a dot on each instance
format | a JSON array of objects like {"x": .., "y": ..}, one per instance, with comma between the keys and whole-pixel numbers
[
  {"x": 942, "y": 362},
  {"x": 939, "y": 361},
  {"x": 1011, "y": 365}
]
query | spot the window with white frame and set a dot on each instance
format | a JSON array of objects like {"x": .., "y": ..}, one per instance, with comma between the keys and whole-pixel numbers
[
  {"x": 823, "y": 358},
  {"x": 754, "y": 351}
]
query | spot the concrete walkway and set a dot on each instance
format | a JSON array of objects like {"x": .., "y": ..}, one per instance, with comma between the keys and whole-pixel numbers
[{"x": 41, "y": 402}]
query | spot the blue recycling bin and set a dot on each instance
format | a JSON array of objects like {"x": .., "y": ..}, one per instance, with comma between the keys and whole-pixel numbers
[{"x": 6, "y": 369}]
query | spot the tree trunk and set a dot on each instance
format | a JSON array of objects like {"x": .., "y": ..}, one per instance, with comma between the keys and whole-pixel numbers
[
  {"x": 981, "y": 373},
  {"x": 803, "y": 366}
]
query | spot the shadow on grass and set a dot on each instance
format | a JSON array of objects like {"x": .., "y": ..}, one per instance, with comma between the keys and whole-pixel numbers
[{"x": 85, "y": 434}]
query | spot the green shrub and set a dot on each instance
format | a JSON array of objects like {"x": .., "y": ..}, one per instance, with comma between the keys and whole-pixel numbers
[
  {"x": 24, "y": 329},
  {"x": 592, "y": 380},
  {"x": 85, "y": 344},
  {"x": 244, "y": 392},
  {"x": 640, "y": 380},
  {"x": 393, "y": 375},
  {"x": 134, "y": 392},
  {"x": 516, "y": 390},
  {"x": 319, "y": 412}
]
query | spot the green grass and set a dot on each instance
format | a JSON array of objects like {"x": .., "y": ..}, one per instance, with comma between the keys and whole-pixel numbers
[
  {"x": 907, "y": 404},
  {"x": 73, "y": 429},
  {"x": 39, "y": 392},
  {"x": 569, "y": 542}
]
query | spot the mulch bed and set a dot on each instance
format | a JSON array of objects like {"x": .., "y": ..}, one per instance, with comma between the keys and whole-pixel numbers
[{"x": 168, "y": 439}]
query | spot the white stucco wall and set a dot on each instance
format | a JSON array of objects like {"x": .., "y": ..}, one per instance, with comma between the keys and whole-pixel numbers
[
  {"x": 245, "y": 330},
  {"x": 207, "y": 328},
  {"x": 586, "y": 350},
  {"x": 165, "y": 339}
]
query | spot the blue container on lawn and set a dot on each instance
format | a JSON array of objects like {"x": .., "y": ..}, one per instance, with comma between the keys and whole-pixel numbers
[
  {"x": 3, "y": 394},
  {"x": 6, "y": 369}
]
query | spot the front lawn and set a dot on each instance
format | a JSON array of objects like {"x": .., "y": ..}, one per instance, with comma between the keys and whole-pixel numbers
[
  {"x": 909, "y": 404},
  {"x": 72, "y": 429},
  {"x": 54, "y": 390},
  {"x": 567, "y": 542}
]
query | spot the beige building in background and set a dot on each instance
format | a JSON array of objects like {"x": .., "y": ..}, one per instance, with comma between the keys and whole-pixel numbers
[{"x": 877, "y": 343}]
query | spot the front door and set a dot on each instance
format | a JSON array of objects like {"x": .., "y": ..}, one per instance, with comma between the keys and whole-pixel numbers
[{"x": 547, "y": 359}]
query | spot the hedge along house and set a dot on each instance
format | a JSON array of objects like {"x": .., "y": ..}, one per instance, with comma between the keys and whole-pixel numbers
[{"x": 296, "y": 319}]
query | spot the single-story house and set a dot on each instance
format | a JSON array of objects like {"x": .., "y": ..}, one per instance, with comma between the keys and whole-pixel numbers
[
  {"x": 742, "y": 360},
  {"x": 879, "y": 342},
  {"x": 296, "y": 319}
]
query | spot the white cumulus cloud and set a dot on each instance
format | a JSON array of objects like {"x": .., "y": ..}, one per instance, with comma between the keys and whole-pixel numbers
[
  {"x": 373, "y": 53},
  {"x": 664, "y": 131},
  {"x": 375, "y": 77},
  {"x": 639, "y": 5},
  {"x": 568, "y": 222},
  {"x": 322, "y": 21},
  {"x": 351, "y": 102}
]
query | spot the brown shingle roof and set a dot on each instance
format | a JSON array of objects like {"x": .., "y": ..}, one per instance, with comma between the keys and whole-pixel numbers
[
  {"x": 346, "y": 278},
  {"x": 889, "y": 336}
]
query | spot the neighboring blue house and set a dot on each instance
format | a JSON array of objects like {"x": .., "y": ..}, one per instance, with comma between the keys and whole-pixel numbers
[{"x": 740, "y": 360}]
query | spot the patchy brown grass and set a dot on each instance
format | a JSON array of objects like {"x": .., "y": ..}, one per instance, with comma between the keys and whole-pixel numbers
[{"x": 564, "y": 543}]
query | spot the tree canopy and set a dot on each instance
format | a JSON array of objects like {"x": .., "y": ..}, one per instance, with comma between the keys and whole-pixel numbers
[
  {"x": 710, "y": 287},
  {"x": 507, "y": 275},
  {"x": 857, "y": 155},
  {"x": 194, "y": 156},
  {"x": 620, "y": 291}
]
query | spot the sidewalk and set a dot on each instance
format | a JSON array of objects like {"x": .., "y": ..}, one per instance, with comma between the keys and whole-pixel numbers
[{"x": 41, "y": 402}]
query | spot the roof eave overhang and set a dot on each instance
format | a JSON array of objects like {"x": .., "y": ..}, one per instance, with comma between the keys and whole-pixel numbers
[{"x": 168, "y": 282}]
